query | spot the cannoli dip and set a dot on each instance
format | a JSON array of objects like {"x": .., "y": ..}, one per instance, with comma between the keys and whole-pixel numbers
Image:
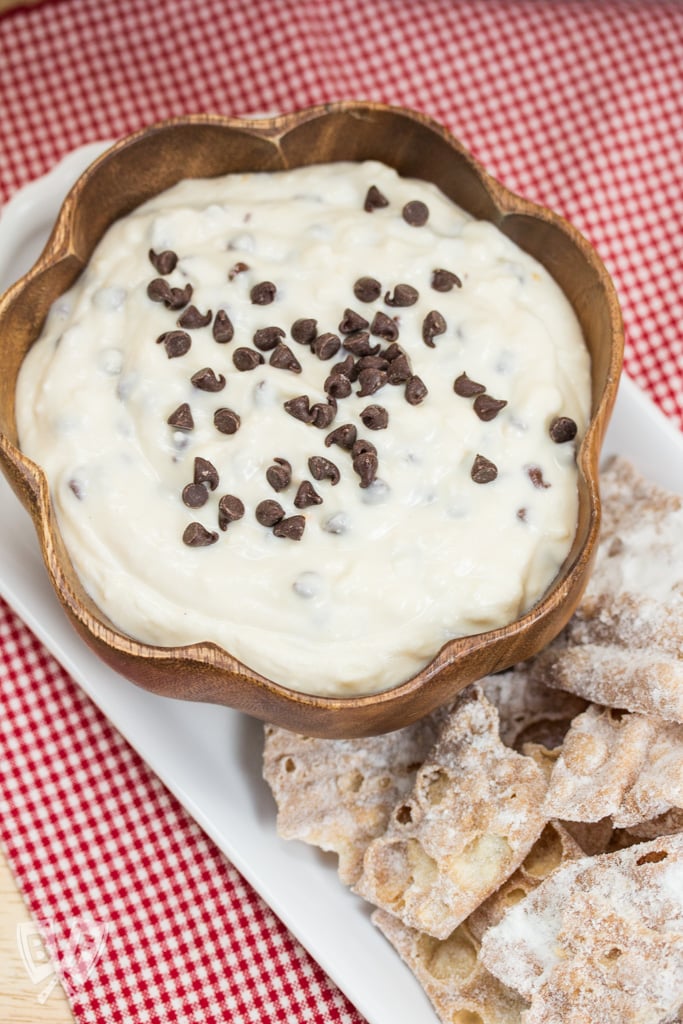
[{"x": 320, "y": 417}]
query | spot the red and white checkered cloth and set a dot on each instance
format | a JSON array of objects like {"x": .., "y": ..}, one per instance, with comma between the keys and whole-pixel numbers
[{"x": 577, "y": 105}]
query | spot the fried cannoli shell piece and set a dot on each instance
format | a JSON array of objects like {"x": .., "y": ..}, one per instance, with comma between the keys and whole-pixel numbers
[
  {"x": 625, "y": 766},
  {"x": 624, "y": 645},
  {"x": 457, "y": 985},
  {"x": 473, "y": 815},
  {"x": 338, "y": 794},
  {"x": 601, "y": 939}
]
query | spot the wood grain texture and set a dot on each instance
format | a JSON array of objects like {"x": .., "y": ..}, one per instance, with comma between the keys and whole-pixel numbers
[{"x": 18, "y": 995}]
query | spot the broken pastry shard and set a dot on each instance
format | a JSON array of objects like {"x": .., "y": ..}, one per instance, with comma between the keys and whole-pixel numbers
[
  {"x": 530, "y": 711},
  {"x": 338, "y": 794},
  {"x": 553, "y": 848},
  {"x": 628, "y": 767},
  {"x": 600, "y": 940},
  {"x": 623, "y": 645},
  {"x": 472, "y": 817},
  {"x": 459, "y": 987}
]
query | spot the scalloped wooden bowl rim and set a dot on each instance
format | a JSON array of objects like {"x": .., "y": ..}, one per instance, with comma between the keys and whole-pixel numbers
[{"x": 230, "y": 681}]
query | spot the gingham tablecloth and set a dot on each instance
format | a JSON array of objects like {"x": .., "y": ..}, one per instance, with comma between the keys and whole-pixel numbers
[{"x": 577, "y": 105}]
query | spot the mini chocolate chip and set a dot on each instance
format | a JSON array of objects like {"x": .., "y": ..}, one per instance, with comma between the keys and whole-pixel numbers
[
  {"x": 222, "y": 329},
  {"x": 263, "y": 293},
  {"x": 352, "y": 321},
  {"x": 375, "y": 417},
  {"x": 237, "y": 268},
  {"x": 487, "y": 407},
  {"x": 247, "y": 358},
  {"x": 521, "y": 514},
  {"x": 269, "y": 512},
  {"x": 391, "y": 352},
  {"x": 367, "y": 289},
  {"x": 181, "y": 418},
  {"x": 205, "y": 473},
  {"x": 279, "y": 476},
  {"x": 326, "y": 346},
  {"x": 562, "y": 429},
  {"x": 230, "y": 509},
  {"x": 195, "y": 495},
  {"x": 362, "y": 446},
  {"x": 304, "y": 330},
  {"x": 282, "y": 358},
  {"x": 337, "y": 385},
  {"x": 415, "y": 213},
  {"x": 307, "y": 495},
  {"x": 292, "y": 528},
  {"x": 399, "y": 370},
  {"x": 374, "y": 199},
  {"x": 344, "y": 436},
  {"x": 445, "y": 280},
  {"x": 370, "y": 381},
  {"x": 383, "y": 326},
  {"x": 267, "y": 338},
  {"x": 163, "y": 262},
  {"x": 483, "y": 470},
  {"x": 323, "y": 469},
  {"x": 432, "y": 325},
  {"x": 159, "y": 290},
  {"x": 467, "y": 388},
  {"x": 372, "y": 363},
  {"x": 176, "y": 343},
  {"x": 206, "y": 380},
  {"x": 404, "y": 295},
  {"x": 192, "y": 318},
  {"x": 299, "y": 408},
  {"x": 197, "y": 536},
  {"x": 76, "y": 488},
  {"x": 358, "y": 343},
  {"x": 366, "y": 465},
  {"x": 416, "y": 390},
  {"x": 535, "y": 474},
  {"x": 226, "y": 421},
  {"x": 347, "y": 367},
  {"x": 322, "y": 415}
]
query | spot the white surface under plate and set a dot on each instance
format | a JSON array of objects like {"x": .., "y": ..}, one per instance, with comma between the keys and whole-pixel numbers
[{"x": 211, "y": 758}]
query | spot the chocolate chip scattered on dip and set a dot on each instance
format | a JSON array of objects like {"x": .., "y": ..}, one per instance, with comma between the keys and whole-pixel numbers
[{"x": 321, "y": 417}]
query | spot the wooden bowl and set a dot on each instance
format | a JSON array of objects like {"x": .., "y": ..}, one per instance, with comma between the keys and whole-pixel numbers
[{"x": 151, "y": 160}]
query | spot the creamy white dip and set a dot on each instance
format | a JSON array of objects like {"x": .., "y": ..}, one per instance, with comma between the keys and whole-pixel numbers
[{"x": 383, "y": 574}]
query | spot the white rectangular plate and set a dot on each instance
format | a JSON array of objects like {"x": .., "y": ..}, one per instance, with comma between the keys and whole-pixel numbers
[{"x": 211, "y": 758}]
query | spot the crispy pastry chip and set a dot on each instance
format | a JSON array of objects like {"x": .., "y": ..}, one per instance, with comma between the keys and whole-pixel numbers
[
  {"x": 553, "y": 848},
  {"x": 460, "y": 988},
  {"x": 629, "y": 767},
  {"x": 600, "y": 940},
  {"x": 624, "y": 645},
  {"x": 530, "y": 711},
  {"x": 472, "y": 817},
  {"x": 338, "y": 794}
]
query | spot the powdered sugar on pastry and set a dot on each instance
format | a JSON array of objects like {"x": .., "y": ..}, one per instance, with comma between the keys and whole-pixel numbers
[
  {"x": 600, "y": 940},
  {"x": 338, "y": 794},
  {"x": 528, "y": 710},
  {"x": 460, "y": 988},
  {"x": 628, "y": 766},
  {"x": 624, "y": 645},
  {"x": 472, "y": 817}
]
